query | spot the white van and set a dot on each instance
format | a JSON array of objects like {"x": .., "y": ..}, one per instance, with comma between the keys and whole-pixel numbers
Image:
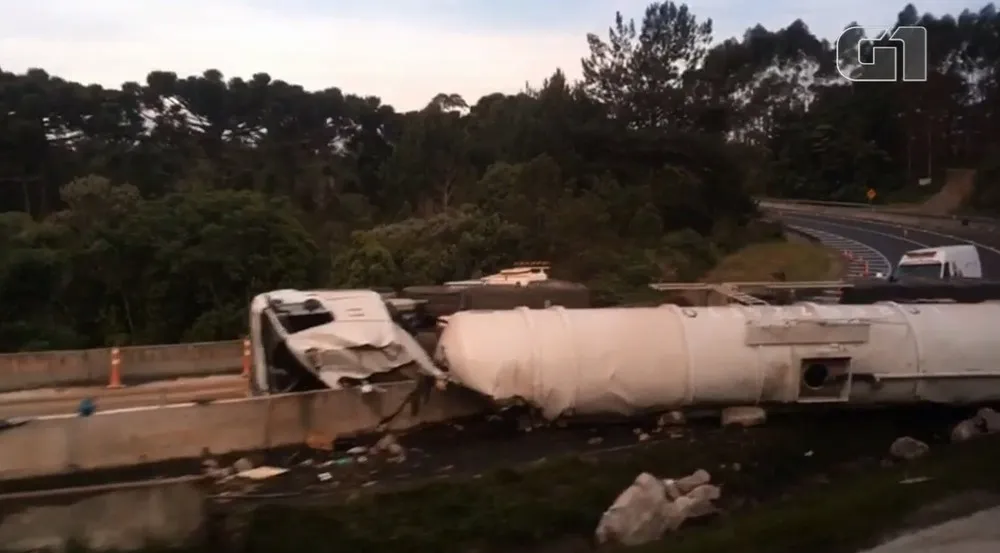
[{"x": 945, "y": 262}]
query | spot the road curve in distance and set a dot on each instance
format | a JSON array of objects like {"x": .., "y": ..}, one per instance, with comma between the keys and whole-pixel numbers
[{"x": 892, "y": 240}]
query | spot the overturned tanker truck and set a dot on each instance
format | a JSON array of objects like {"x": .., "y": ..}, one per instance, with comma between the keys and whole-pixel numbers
[
  {"x": 306, "y": 340},
  {"x": 567, "y": 362}
]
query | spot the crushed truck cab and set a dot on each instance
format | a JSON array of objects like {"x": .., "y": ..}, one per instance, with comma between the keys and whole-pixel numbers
[{"x": 305, "y": 340}]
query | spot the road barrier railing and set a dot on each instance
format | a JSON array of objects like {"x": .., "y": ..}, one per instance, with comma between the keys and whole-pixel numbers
[{"x": 861, "y": 209}]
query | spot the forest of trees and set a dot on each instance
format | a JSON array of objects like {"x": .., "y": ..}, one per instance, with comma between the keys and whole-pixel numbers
[{"x": 151, "y": 213}]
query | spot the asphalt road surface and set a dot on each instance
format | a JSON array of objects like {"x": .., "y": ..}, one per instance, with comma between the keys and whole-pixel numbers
[
  {"x": 60, "y": 401},
  {"x": 892, "y": 240},
  {"x": 978, "y": 533}
]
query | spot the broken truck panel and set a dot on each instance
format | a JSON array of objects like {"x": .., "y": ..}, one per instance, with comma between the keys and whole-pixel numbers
[{"x": 330, "y": 337}]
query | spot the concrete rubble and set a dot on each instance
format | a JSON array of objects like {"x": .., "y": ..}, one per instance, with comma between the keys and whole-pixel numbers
[{"x": 651, "y": 507}]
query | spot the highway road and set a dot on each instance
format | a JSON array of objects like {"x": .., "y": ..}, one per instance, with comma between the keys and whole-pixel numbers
[
  {"x": 59, "y": 401},
  {"x": 977, "y": 533},
  {"x": 892, "y": 240}
]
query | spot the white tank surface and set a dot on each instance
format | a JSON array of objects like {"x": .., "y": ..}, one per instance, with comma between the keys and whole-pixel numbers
[{"x": 629, "y": 360}]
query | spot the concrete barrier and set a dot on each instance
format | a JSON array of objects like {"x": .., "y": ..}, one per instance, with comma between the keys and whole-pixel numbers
[
  {"x": 118, "y": 517},
  {"x": 139, "y": 364},
  {"x": 62, "y": 444}
]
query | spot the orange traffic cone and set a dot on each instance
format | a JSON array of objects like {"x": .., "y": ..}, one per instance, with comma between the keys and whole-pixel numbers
[
  {"x": 246, "y": 358},
  {"x": 115, "y": 377}
]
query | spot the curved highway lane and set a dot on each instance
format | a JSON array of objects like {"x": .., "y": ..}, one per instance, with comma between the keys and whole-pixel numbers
[{"x": 893, "y": 240}]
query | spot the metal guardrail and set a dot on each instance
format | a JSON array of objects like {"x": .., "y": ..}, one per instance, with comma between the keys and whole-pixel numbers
[
  {"x": 788, "y": 285},
  {"x": 743, "y": 292},
  {"x": 877, "y": 209}
]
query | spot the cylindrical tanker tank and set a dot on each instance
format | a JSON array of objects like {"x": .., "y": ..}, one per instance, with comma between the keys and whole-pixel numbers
[{"x": 628, "y": 360}]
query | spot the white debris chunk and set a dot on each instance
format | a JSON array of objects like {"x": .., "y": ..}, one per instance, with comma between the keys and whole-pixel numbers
[
  {"x": 698, "y": 478},
  {"x": 651, "y": 507},
  {"x": 965, "y": 430},
  {"x": 698, "y": 503},
  {"x": 636, "y": 516},
  {"x": 908, "y": 448},
  {"x": 672, "y": 418},
  {"x": 261, "y": 473},
  {"x": 743, "y": 416},
  {"x": 986, "y": 421},
  {"x": 989, "y": 420},
  {"x": 388, "y": 444}
]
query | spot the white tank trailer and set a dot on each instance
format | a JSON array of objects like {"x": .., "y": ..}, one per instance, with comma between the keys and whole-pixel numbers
[{"x": 629, "y": 360}]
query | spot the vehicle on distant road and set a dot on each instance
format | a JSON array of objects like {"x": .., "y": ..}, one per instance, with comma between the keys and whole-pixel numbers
[{"x": 941, "y": 263}]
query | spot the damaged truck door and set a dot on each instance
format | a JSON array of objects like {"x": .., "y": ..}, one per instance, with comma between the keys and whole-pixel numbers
[{"x": 306, "y": 340}]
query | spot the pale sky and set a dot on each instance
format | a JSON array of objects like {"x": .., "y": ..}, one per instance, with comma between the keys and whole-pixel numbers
[{"x": 404, "y": 51}]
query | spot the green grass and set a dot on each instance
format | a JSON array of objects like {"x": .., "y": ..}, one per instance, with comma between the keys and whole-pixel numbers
[
  {"x": 799, "y": 260},
  {"x": 842, "y": 517}
]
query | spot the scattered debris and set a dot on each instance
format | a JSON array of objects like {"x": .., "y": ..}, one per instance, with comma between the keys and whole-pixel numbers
[
  {"x": 319, "y": 441},
  {"x": 966, "y": 430},
  {"x": 672, "y": 418},
  {"x": 650, "y": 507},
  {"x": 915, "y": 480},
  {"x": 908, "y": 448},
  {"x": 989, "y": 419},
  {"x": 388, "y": 444},
  {"x": 242, "y": 465},
  {"x": 261, "y": 473},
  {"x": 743, "y": 416},
  {"x": 87, "y": 407},
  {"x": 210, "y": 467}
]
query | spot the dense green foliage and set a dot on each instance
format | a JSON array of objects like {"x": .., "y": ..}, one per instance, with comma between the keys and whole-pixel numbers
[{"x": 151, "y": 213}]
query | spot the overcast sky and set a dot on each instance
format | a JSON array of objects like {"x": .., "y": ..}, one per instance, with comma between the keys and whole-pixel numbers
[{"x": 404, "y": 51}]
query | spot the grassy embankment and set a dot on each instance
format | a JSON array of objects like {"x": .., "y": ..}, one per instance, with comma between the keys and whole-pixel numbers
[{"x": 797, "y": 258}]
